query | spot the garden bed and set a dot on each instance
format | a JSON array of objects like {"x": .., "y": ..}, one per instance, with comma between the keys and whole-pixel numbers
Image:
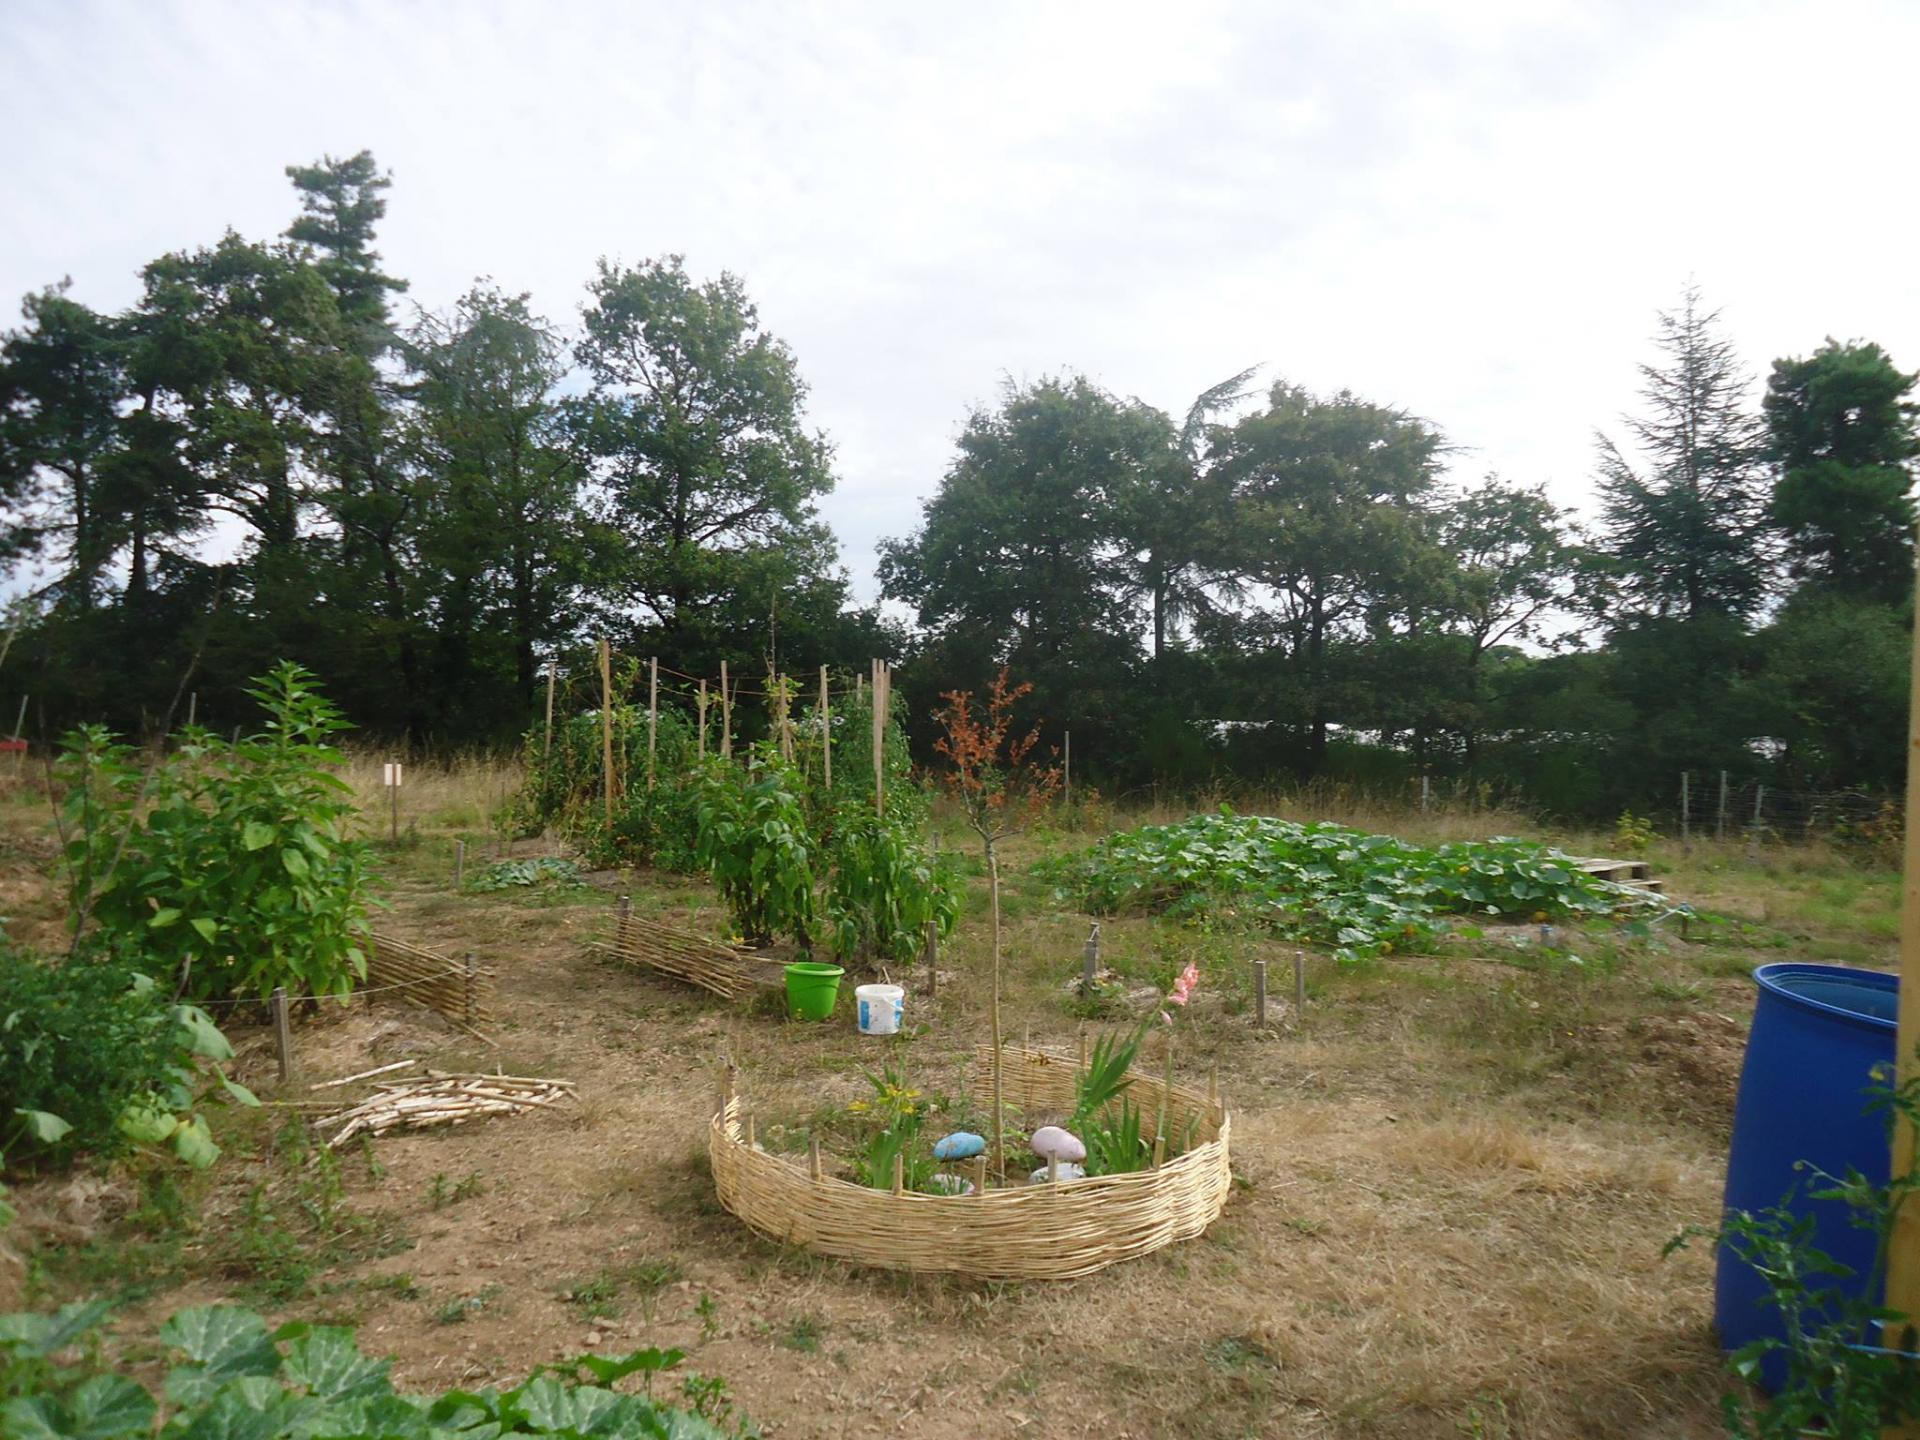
[{"x": 1028, "y": 1232}]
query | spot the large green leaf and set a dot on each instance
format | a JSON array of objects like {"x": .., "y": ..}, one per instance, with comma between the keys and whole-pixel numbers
[
  {"x": 38, "y": 1336},
  {"x": 257, "y": 836},
  {"x": 44, "y": 1125},
  {"x": 107, "y": 1407},
  {"x": 222, "y": 1342},
  {"x": 327, "y": 1362},
  {"x": 193, "y": 1143}
]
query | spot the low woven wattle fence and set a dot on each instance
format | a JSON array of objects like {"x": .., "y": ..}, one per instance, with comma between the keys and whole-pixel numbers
[
  {"x": 729, "y": 973},
  {"x": 1026, "y": 1232},
  {"x": 460, "y": 990}
]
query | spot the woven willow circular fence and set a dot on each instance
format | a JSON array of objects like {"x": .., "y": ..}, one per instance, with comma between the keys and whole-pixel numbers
[{"x": 1026, "y": 1232}]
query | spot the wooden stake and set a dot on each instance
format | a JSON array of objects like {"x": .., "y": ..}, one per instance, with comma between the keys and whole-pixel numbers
[
  {"x": 1426, "y": 792},
  {"x": 980, "y": 1173},
  {"x": 282, "y": 1032},
  {"x": 879, "y": 738},
  {"x": 1260, "y": 994},
  {"x": 1090, "y": 960},
  {"x": 1053, "y": 1169},
  {"x": 899, "y": 1172},
  {"x": 1903, "y": 1242},
  {"x": 606, "y": 729},
  {"x": 1720, "y": 819},
  {"x": 546, "y": 753},
  {"x": 1299, "y": 985},
  {"x": 1066, "y": 768},
  {"x": 620, "y": 926},
  {"x": 999, "y": 1108},
  {"x": 1686, "y": 812},
  {"x": 193, "y": 706},
  {"x": 932, "y": 952},
  {"x": 472, "y": 975},
  {"x": 726, "y": 715},
  {"x": 813, "y": 1159},
  {"x": 1159, "y": 1150},
  {"x": 700, "y": 703},
  {"x": 394, "y": 793},
  {"x": 826, "y": 733},
  {"x": 459, "y": 866},
  {"x": 653, "y": 713}
]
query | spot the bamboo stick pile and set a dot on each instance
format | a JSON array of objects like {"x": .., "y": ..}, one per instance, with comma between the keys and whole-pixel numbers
[
  {"x": 689, "y": 957},
  {"x": 459, "y": 989},
  {"x": 441, "y": 1098}
]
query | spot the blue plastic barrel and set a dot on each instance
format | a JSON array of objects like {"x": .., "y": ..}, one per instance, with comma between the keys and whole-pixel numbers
[{"x": 1822, "y": 1041}]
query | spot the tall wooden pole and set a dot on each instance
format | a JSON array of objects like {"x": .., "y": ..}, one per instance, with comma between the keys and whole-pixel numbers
[
  {"x": 1066, "y": 767},
  {"x": 653, "y": 713},
  {"x": 879, "y": 738},
  {"x": 546, "y": 753},
  {"x": 726, "y": 716},
  {"x": 826, "y": 733},
  {"x": 1903, "y": 1244},
  {"x": 993, "y": 1018},
  {"x": 606, "y": 728},
  {"x": 701, "y": 705}
]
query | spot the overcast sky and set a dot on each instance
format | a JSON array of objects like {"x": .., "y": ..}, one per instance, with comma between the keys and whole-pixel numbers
[{"x": 1468, "y": 208}]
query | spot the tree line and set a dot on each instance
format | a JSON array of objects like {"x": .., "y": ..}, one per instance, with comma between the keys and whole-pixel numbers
[{"x": 269, "y": 454}]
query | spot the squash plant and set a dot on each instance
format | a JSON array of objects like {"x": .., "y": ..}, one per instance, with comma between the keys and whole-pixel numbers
[{"x": 230, "y": 865}]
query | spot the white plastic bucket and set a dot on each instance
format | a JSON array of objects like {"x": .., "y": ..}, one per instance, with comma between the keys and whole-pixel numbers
[{"x": 881, "y": 1007}]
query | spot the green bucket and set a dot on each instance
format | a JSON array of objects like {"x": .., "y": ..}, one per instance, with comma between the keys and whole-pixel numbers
[{"x": 812, "y": 988}]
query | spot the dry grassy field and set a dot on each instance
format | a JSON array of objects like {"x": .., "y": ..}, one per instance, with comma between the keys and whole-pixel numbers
[{"x": 1454, "y": 1172}]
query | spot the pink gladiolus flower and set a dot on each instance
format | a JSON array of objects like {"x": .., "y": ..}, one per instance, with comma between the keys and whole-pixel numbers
[{"x": 1183, "y": 988}]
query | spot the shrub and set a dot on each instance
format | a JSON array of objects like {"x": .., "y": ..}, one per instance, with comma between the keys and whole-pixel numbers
[
  {"x": 884, "y": 889},
  {"x": 229, "y": 865},
  {"x": 238, "y": 1378},
  {"x": 755, "y": 842},
  {"x": 92, "y": 1058}
]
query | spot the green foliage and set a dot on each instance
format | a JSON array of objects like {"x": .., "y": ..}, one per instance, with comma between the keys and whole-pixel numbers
[
  {"x": 230, "y": 865},
  {"x": 655, "y": 825},
  {"x": 755, "y": 842},
  {"x": 1360, "y": 894},
  {"x": 1633, "y": 833},
  {"x": 93, "y": 1059},
  {"x": 884, "y": 888},
  {"x": 234, "y": 1377},
  {"x": 526, "y": 874},
  {"x": 892, "y": 1122},
  {"x": 1839, "y": 1380}
]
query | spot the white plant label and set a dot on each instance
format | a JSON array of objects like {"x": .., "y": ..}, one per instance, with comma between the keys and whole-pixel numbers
[{"x": 392, "y": 775}]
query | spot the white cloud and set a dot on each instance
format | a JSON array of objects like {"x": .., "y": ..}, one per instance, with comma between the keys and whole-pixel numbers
[{"x": 1471, "y": 211}]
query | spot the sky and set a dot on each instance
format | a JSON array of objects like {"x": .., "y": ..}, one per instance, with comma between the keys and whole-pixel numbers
[{"x": 1471, "y": 209}]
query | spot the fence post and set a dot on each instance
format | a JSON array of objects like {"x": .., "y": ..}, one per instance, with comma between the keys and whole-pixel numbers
[
  {"x": 1090, "y": 960},
  {"x": 468, "y": 1009},
  {"x": 726, "y": 716},
  {"x": 1426, "y": 792},
  {"x": 1686, "y": 813},
  {"x": 1753, "y": 832},
  {"x": 620, "y": 929},
  {"x": 1299, "y": 985},
  {"x": 546, "y": 752},
  {"x": 1720, "y": 819},
  {"x": 459, "y": 865},
  {"x": 700, "y": 704},
  {"x": 1066, "y": 769},
  {"x": 879, "y": 738},
  {"x": 282, "y": 1032},
  {"x": 1260, "y": 994}
]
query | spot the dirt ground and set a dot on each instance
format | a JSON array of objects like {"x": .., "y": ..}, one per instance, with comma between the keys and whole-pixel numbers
[{"x": 1455, "y": 1176}]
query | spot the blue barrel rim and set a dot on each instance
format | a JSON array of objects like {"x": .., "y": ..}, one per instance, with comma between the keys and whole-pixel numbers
[{"x": 1769, "y": 979}]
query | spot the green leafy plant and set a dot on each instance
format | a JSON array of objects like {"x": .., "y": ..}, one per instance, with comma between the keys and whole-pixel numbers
[
  {"x": 230, "y": 865},
  {"x": 1841, "y": 1378},
  {"x": 884, "y": 889},
  {"x": 94, "y": 1059},
  {"x": 520, "y": 874},
  {"x": 893, "y": 1120},
  {"x": 235, "y": 1377},
  {"x": 1359, "y": 894},
  {"x": 1632, "y": 833},
  {"x": 755, "y": 842}
]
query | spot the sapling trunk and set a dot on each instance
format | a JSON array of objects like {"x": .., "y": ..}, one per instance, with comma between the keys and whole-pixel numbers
[{"x": 999, "y": 1122}]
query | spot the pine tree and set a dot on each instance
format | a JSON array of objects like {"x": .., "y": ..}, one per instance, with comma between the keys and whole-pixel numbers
[{"x": 1685, "y": 528}]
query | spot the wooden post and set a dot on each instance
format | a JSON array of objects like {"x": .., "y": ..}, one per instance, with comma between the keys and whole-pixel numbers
[
  {"x": 980, "y": 1173},
  {"x": 1090, "y": 960},
  {"x": 1720, "y": 817},
  {"x": 1053, "y": 1169},
  {"x": 1753, "y": 831},
  {"x": 471, "y": 976},
  {"x": 726, "y": 715},
  {"x": 899, "y": 1172},
  {"x": 20, "y": 721},
  {"x": 933, "y": 939},
  {"x": 606, "y": 729},
  {"x": 1686, "y": 812},
  {"x": 1299, "y": 985},
  {"x": 826, "y": 733},
  {"x": 393, "y": 790},
  {"x": 700, "y": 704},
  {"x": 813, "y": 1159},
  {"x": 282, "y": 1032},
  {"x": 546, "y": 752},
  {"x": 1260, "y": 994},
  {"x": 1066, "y": 769},
  {"x": 653, "y": 713},
  {"x": 620, "y": 927},
  {"x": 879, "y": 739},
  {"x": 1426, "y": 793},
  {"x": 459, "y": 866},
  {"x": 193, "y": 707},
  {"x": 1903, "y": 1242},
  {"x": 1159, "y": 1150}
]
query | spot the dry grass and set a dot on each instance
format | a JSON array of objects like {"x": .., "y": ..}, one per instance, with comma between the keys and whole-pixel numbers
[{"x": 1455, "y": 1173}]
